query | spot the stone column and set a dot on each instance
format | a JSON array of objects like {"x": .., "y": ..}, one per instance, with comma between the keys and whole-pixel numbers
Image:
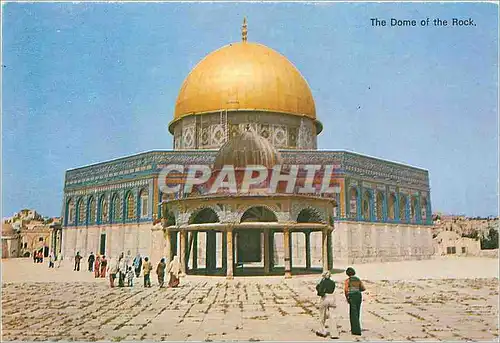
[
  {"x": 182, "y": 251},
  {"x": 308, "y": 249},
  {"x": 195, "y": 249},
  {"x": 267, "y": 250},
  {"x": 229, "y": 263},
  {"x": 324, "y": 250},
  {"x": 224, "y": 251},
  {"x": 329, "y": 249},
  {"x": 286, "y": 248},
  {"x": 168, "y": 246}
]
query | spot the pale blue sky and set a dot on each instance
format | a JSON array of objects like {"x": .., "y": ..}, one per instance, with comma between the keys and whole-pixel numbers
[{"x": 88, "y": 82}]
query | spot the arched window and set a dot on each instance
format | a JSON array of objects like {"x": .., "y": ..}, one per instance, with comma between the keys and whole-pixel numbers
[
  {"x": 70, "y": 212},
  {"x": 92, "y": 208},
  {"x": 366, "y": 207},
  {"x": 81, "y": 211},
  {"x": 103, "y": 210},
  {"x": 143, "y": 203},
  {"x": 402, "y": 208},
  {"x": 391, "y": 213},
  {"x": 380, "y": 206},
  {"x": 353, "y": 203},
  {"x": 423, "y": 209},
  {"x": 130, "y": 202},
  {"x": 115, "y": 208},
  {"x": 413, "y": 209}
]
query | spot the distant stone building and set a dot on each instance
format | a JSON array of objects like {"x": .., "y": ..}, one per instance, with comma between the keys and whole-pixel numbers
[
  {"x": 28, "y": 232},
  {"x": 26, "y": 215},
  {"x": 464, "y": 225},
  {"x": 35, "y": 236},
  {"x": 10, "y": 241},
  {"x": 451, "y": 243}
]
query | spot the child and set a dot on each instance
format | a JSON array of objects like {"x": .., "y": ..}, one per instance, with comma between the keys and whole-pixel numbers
[
  {"x": 130, "y": 277},
  {"x": 51, "y": 261}
]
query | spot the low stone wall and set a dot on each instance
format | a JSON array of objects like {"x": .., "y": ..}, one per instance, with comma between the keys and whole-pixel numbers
[
  {"x": 356, "y": 242},
  {"x": 119, "y": 238},
  {"x": 493, "y": 253}
]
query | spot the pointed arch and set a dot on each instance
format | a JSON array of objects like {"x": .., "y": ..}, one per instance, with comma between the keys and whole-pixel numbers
[
  {"x": 258, "y": 214},
  {"x": 143, "y": 203},
  {"x": 310, "y": 215},
  {"x": 103, "y": 210},
  {"x": 380, "y": 206},
  {"x": 353, "y": 202},
  {"x": 115, "y": 208},
  {"x": 366, "y": 208},
  {"x": 423, "y": 209},
  {"x": 80, "y": 210},
  {"x": 413, "y": 209},
  {"x": 70, "y": 212},
  {"x": 203, "y": 216},
  {"x": 392, "y": 210},
  {"x": 129, "y": 206},
  {"x": 91, "y": 205},
  {"x": 402, "y": 208}
]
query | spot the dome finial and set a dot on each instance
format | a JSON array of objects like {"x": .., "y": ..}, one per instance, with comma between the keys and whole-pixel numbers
[{"x": 244, "y": 30}]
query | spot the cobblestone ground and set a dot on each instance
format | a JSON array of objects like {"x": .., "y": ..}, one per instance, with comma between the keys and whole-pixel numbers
[{"x": 252, "y": 309}]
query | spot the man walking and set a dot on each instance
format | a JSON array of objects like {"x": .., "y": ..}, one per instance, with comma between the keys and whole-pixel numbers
[
  {"x": 77, "y": 261},
  {"x": 147, "y": 267},
  {"x": 325, "y": 290},
  {"x": 122, "y": 266},
  {"x": 112, "y": 270},
  {"x": 160, "y": 271},
  {"x": 91, "y": 262}
]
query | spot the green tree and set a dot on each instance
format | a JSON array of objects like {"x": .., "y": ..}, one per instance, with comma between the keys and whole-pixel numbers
[{"x": 491, "y": 240}]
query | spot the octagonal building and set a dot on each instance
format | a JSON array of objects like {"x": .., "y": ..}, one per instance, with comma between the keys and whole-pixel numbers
[{"x": 246, "y": 104}]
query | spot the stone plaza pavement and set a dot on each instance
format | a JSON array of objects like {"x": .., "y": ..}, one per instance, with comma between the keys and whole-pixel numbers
[{"x": 404, "y": 301}]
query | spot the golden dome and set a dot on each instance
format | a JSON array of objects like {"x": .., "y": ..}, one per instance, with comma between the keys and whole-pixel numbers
[
  {"x": 248, "y": 148},
  {"x": 245, "y": 76}
]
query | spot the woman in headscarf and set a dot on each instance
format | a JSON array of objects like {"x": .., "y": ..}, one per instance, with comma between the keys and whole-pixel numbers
[
  {"x": 97, "y": 266},
  {"x": 137, "y": 265},
  {"x": 174, "y": 268},
  {"x": 353, "y": 287},
  {"x": 104, "y": 264}
]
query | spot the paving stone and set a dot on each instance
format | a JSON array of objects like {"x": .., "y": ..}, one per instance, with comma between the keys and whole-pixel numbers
[{"x": 80, "y": 307}]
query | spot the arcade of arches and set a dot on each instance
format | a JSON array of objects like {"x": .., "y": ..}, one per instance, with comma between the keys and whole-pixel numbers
[
  {"x": 256, "y": 243},
  {"x": 394, "y": 208}
]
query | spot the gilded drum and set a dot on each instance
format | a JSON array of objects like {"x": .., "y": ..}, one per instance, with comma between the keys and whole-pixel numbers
[{"x": 245, "y": 76}]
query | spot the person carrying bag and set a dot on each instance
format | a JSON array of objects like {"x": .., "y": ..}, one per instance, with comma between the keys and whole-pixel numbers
[{"x": 325, "y": 289}]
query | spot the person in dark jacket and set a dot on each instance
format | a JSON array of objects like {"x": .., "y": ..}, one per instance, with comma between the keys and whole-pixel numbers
[
  {"x": 325, "y": 290},
  {"x": 77, "y": 261},
  {"x": 353, "y": 287},
  {"x": 91, "y": 262}
]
